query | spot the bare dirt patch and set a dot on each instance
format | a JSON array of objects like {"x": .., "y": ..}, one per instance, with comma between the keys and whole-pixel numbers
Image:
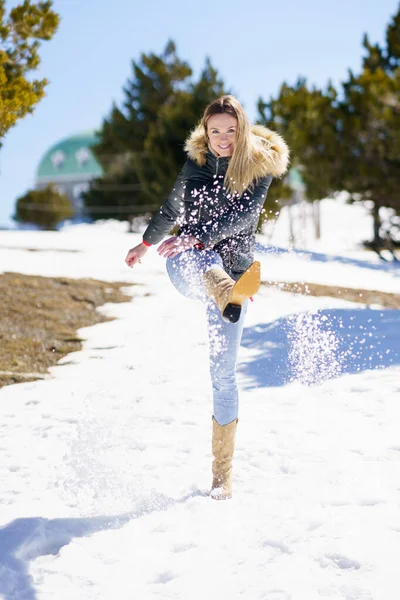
[
  {"x": 385, "y": 299},
  {"x": 39, "y": 319},
  {"x": 40, "y": 316}
]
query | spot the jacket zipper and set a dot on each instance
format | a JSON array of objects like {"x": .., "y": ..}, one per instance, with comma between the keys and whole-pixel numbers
[{"x": 216, "y": 174}]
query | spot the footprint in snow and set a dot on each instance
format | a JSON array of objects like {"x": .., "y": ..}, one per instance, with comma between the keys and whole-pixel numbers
[
  {"x": 14, "y": 468},
  {"x": 276, "y": 545},
  {"x": 183, "y": 547},
  {"x": 314, "y": 524},
  {"x": 370, "y": 501},
  {"x": 165, "y": 577},
  {"x": 339, "y": 561}
]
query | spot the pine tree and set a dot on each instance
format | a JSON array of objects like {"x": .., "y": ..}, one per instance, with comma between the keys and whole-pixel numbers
[
  {"x": 126, "y": 187},
  {"x": 348, "y": 139},
  {"x": 307, "y": 119},
  {"x": 176, "y": 117},
  {"x": 20, "y": 33},
  {"x": 372, "y": 122},
  {"x": 141, "y": 144}
]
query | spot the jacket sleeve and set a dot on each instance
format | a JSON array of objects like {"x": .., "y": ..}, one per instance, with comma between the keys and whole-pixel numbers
[
  {"x": 164, "y": 220},
  {"x": 242, "y": 215}
]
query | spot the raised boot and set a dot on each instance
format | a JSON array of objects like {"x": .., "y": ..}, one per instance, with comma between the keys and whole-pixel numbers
[
  {"x": 223, "y": 445},
  {"x": 228, "y": 294}
]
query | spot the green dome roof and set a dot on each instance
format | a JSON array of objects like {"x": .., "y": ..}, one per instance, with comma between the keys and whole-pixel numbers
[{"x": 71, "y": 157}]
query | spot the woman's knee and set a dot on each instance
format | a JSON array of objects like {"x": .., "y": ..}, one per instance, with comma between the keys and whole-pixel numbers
[
  {"x": 183, "y": 273},
  {"x": 224, "y": 381},
  {"x": 223, "y": 371}
]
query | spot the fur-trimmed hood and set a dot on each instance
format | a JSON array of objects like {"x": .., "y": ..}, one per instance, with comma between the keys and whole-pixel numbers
[{"x": 270, "y": 151}]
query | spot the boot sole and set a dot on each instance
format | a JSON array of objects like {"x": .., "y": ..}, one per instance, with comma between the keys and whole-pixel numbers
[{"x": 246, "y": 286}]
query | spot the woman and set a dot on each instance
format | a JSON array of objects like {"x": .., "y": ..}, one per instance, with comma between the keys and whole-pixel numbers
[{"x": 217, "y": 200}]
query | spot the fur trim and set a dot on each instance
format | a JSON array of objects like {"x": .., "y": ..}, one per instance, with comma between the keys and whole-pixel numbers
[{"x": 270, "y": 151}]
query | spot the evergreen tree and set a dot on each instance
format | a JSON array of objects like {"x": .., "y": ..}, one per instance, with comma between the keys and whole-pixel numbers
[
  {"x": 348, "y": 140},
  {"x": 141, "y": 144},
  {"x": 20, "y": 33},
  {"x": 307, "y": 119},
  {"x": 45, "y": 208},
  {"x": 128, "y": 172},
  {"x": 176, "y": 117},
  {"x": 372, "y": 122}
]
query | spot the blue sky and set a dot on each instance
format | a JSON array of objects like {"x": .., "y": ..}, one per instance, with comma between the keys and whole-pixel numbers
[{"x": 254, "y": 44}]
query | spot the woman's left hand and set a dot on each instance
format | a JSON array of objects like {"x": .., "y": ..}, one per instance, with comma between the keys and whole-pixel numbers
[{"x": 176, "y": 244}]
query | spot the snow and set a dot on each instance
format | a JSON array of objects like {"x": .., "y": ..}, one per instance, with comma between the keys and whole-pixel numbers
[{"x": 106, "y": 464}]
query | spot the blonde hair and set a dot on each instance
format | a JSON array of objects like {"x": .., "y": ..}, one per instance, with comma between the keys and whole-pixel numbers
[{"x": 241, "y": 169}]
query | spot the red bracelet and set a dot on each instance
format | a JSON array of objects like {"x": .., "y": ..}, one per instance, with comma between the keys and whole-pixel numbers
[{"x": 146, "y": 244}]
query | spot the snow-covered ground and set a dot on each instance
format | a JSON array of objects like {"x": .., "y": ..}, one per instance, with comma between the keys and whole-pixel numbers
[{"x": 106, "y": 464}]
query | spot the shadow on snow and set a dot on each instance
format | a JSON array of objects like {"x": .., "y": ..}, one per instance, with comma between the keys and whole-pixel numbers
[
  {"x": 312, "y": 347},
  {"x": 26, "y": 539},
  {"x": 390, "y": 267}
]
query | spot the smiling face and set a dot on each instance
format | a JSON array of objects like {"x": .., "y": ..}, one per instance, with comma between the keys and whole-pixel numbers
[{"x": 222, "y": 131}]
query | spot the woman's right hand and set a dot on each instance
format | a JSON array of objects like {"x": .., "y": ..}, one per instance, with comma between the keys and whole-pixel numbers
[{"x": 135, "y": 254}]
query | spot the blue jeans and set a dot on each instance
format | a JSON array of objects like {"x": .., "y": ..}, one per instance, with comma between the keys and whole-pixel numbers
[{"x": 186, "y": 272}]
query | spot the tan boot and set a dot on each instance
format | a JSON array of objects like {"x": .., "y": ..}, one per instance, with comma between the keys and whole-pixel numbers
[
  {"x": 228, "y": 294},
  {"x": 223, "y": 445}
]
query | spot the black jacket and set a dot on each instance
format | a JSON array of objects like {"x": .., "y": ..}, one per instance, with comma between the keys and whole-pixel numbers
[{"x": 201, "y": 206}]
